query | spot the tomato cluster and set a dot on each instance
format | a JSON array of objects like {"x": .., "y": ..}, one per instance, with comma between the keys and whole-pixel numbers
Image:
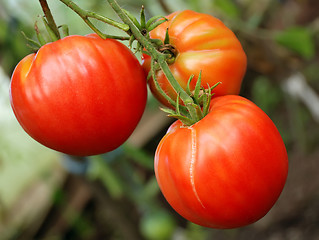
[{"x": 84, "y": 95}]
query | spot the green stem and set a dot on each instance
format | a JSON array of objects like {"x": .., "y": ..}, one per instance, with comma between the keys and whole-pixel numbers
[
  {"x": 182, "y": 109},
  {"x": 158, "y": 87},
  {"x": 85, "y": 15},
  {"x": 49, "y": 18},
  {"x": 51, "y": 33},
  {"x": 157, "y": 56}
]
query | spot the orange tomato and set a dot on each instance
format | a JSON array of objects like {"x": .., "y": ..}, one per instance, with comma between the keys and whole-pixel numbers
[{"x": 203, "y": 43}]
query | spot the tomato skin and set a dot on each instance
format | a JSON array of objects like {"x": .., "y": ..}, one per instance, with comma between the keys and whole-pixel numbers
[
  {"x": 225, "y": 171},
  {"x": 204, "y": 44},
  {"x": 80, "y": 95}
]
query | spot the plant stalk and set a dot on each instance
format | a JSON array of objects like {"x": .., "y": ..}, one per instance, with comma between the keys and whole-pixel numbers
[
  {"x": 85, "y": 15},
  {"x": 48, "y": 15},
  {"x": 157, "y": 56},
  {"x": 190, "y": 110}
]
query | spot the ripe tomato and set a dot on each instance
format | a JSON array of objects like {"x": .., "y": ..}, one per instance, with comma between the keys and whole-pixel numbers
[
  {"x": 225, "y": 171},
  {"x": 80, "y": 95},
  {"x": 203, "y": 43}
]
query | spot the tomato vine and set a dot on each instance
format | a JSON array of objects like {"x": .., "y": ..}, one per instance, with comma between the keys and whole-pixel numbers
[
  {"x": 228, "y": 138},
  {"x": 190, "y": 111}
]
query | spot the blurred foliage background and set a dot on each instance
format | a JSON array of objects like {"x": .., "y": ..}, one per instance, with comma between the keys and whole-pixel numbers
[{"x": 46, "y": 195}]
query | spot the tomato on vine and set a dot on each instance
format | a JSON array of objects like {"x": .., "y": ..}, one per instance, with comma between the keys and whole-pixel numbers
[
  {"x": 198, "y": 42},
  {"x": 224, "y": 166},
  {"x": 80, "y": 95},
  {"x": 225, "y": 171}
]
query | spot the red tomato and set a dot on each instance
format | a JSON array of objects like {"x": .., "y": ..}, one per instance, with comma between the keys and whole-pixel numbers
[
  {"x": 225, "y": 171},
  {"x": 80, "y": 95},
  {"x": 203, "y": 43}
]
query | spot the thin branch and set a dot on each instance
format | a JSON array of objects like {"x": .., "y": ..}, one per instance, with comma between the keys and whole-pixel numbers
[
  {"x": 85, "y": 15},
  {"x": 49, "y": 18}
]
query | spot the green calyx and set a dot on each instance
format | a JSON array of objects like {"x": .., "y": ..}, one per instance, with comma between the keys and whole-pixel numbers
[
  {"x": 51, "y": 33},
  {"x": 45, "y": 36},
  {"x": 144, "y": 27},
  {"x": 189, "y": 106},
  {"x": 196, "y": 109}
]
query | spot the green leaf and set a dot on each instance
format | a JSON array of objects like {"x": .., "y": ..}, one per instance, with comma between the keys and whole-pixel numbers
[
  {"x": 228, "y": 7},
  {"x": 297, "y": 39}
]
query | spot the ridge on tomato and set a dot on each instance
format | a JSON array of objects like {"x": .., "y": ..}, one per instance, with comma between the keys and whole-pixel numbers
[
  {"x": 225, "y": 171},
  {"x": 203, "y": 43},
  {"x": 80, "y": 95}
]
